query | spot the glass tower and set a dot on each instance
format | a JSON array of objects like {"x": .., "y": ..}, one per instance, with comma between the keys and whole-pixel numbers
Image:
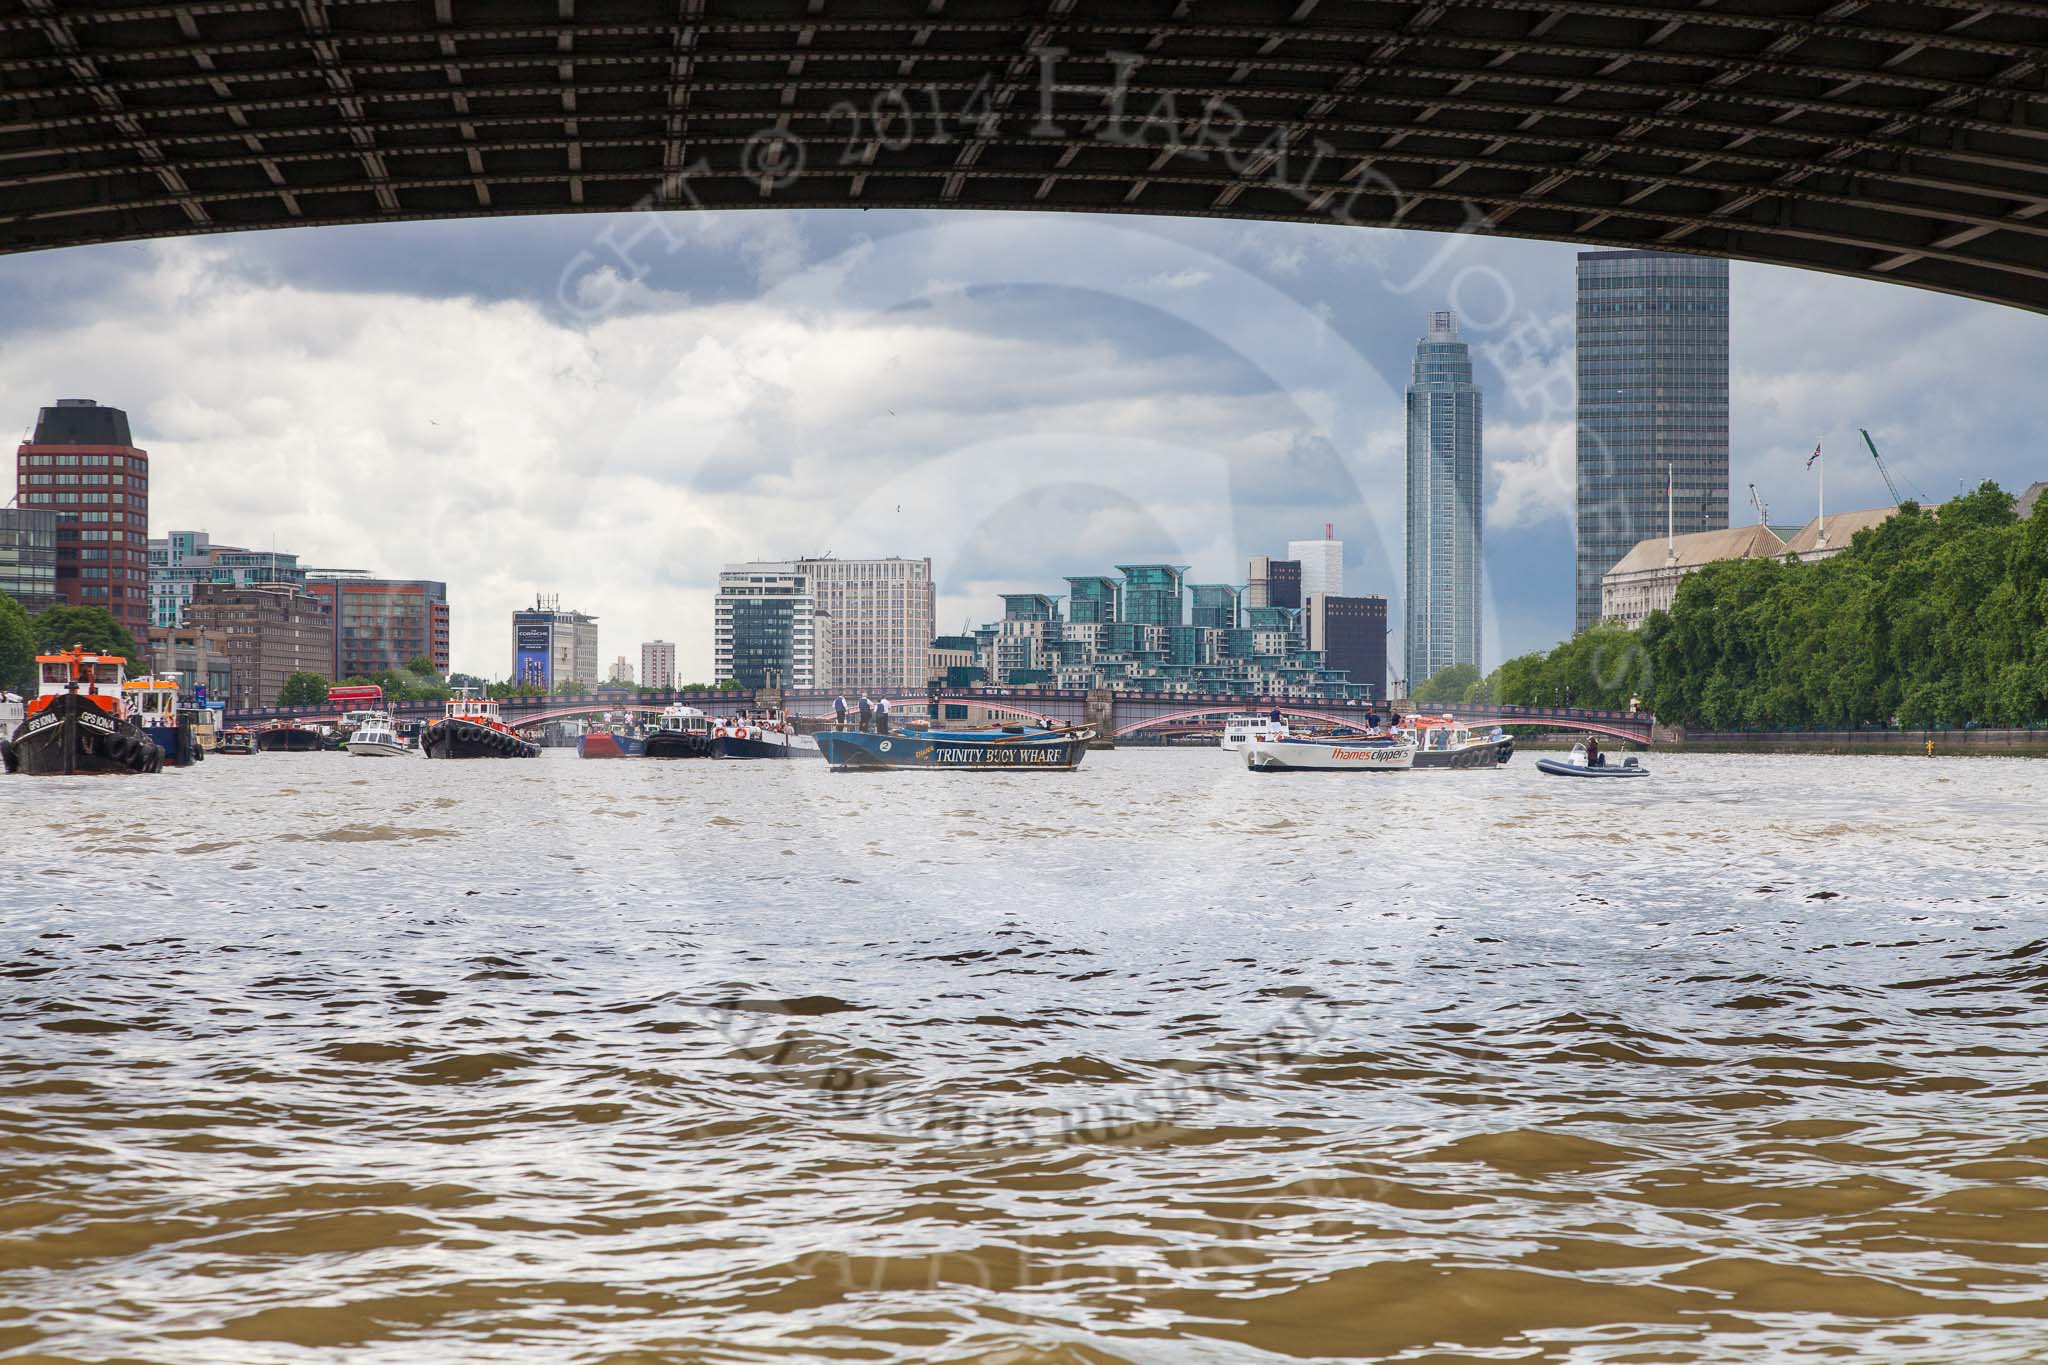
[
  {"x": 1653, "y": 392},
  {"x": 1444, "y": 493}
]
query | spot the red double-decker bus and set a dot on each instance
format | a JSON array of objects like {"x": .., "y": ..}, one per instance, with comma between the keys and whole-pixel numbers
[{"x": 363, "y": 697}]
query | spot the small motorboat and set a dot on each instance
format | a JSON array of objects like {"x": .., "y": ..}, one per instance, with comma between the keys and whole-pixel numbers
[
  {"x": 236, "y": 739},
  {"x": 1577, "y": 766},
  {"x": 614, "y": 738},
  {"x": 373, "y": 737},
  {"x": 1302, "y": 753}
]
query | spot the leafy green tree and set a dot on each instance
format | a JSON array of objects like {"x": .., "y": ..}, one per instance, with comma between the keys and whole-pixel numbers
[
  {"x": 571, "y": 688},
  {"x": 1446, "y": 685},
  {"x": 94, "y": 628},
  {"x": 17, "y": 648},
  {"x": 303, "y": 689},
  {"x": 422, "y": 666}
]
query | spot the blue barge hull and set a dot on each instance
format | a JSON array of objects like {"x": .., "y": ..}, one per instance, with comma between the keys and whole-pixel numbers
[{"x": 968, "y": 750}]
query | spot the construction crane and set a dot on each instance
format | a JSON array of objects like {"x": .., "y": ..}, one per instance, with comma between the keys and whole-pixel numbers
[
  {"x": 1763, "y": 513},
  {"x": 1892, "y": 487}
]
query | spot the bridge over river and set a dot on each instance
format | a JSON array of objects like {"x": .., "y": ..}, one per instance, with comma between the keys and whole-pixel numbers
[{"x": 1115, "y": 715}]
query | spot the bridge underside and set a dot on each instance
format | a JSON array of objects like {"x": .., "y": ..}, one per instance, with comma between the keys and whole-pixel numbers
[{"x": 1899, "y": 141}]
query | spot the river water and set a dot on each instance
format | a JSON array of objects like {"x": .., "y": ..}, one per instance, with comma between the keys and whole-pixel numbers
[{"x": 312, "y": 1058}]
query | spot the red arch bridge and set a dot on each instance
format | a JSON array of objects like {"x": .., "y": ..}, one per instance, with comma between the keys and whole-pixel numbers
[{"x": 1116, "y": 715}]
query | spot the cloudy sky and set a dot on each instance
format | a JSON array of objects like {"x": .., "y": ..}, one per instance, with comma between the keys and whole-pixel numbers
[{"x": 611, "y": 408}]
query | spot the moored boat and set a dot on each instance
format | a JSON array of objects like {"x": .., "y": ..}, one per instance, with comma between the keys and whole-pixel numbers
[
  {"x": 613, "y": 739},
  {"x": 285, "y": 737},
  {"x": 761, "y": 739},
  {"x": 373, "y": 737},
  {"x": 1446, "y": 742},
  {"x": 1599, "y": 767},
  {"x": 678, "y": 732},
  {"x": 1011, "y": 747},
  {"x": 236, "y": 739},
  {"x": 1301, "y": 753},
  {"x": 472, "y": 728},
  {"x": 79, "y": 721},
  {"x": 153, "y": 702}
]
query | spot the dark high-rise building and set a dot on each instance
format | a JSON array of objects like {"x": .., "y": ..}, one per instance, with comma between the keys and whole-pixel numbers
[
  {"x": 1444, "y": 497},
  {"x": 1274, "y": 582},
  {"x": 1653, "y": 395},
  {"x": 383, "y": 624},
  {"x": 1352, "y": 634},
  {"x": 81, "y": 464},
  {"x": 28, "y": 557}
]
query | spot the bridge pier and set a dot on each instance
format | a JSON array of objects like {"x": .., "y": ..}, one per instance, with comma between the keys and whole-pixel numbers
[{"x": 1101, "y": 717}]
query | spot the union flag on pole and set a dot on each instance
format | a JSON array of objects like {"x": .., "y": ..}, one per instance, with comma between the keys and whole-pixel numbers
[{"x": 1815, "y": 456}]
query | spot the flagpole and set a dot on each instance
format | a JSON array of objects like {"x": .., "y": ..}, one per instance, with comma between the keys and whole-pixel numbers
[{"x": 1821, "y": 478}]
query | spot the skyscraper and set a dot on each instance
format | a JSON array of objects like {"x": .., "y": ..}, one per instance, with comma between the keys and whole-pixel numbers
[
  {"x": 1653, "y": 392},
  {"x": 81, "y": 464},
  {"x": 1322, "y": 565},
  {"x": 1445, "y": 423}
]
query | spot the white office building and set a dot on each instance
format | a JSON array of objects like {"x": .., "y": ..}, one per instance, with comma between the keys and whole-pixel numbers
[
  {"x": 765, "y": 626},
  {"x": 1322, "y": 564},
  {"x": 881, "y": 614}
]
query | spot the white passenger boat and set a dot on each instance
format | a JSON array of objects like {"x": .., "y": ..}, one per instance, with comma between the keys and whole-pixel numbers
[
  {"x": 1299, "y": 753},
  {"x": 374, "y": 737},
  {"x": 1239, "y": 731}
]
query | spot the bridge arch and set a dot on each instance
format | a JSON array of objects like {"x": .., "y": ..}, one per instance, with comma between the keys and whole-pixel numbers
[
  {"x": 1198, "y": 712},
  {"x": 1878, "y": 142}
]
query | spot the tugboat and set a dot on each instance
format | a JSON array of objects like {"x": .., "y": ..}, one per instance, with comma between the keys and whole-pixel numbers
[
  {"x": 236, "y": 739},
  {"x": 1446, "y": 742},
  {"x": 78, "y": 722},
  {"x": 472, "y": 728},
  {"x": 1008, "y": 747},
  {"x": 679, "y": 732},
  {"x": 153, "y": 702}
]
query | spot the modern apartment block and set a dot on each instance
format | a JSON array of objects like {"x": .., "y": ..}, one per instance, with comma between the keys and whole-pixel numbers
[
  {"x": 1446, "y": 492},
  {"x": 1653, "y": 399},
  {"x": 881, "y": 614},
  {"x": 182, "y": 560},
  {"x": 382, "y": 624},
  {"x": 657, "y": 664},
  {"x": 765, "y": 627},
  {"x": 81, "y": 464}
]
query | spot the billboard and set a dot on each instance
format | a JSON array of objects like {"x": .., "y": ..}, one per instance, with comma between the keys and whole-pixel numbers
[{"x": 532, "y": 643}]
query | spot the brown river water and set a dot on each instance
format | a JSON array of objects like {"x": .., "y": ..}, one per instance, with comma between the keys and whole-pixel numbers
[{"x": 316, "y": 1058}]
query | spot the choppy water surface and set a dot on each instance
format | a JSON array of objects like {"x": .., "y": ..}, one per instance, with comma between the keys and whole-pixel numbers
[{"x": 309, "y": 1058}]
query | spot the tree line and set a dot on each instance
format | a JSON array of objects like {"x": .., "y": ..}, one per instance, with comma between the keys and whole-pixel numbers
[{"x": 1929, "y": 618}]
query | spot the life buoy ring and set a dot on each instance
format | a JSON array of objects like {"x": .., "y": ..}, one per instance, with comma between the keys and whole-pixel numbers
[{"x": 718, "y": 732}]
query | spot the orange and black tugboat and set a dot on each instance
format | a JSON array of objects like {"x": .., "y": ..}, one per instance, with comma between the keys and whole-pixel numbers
[
  {"x": 472, "y": 728},
  {"x": 78, "y": 721}
]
